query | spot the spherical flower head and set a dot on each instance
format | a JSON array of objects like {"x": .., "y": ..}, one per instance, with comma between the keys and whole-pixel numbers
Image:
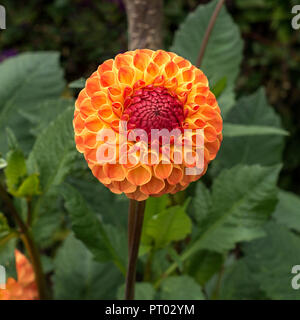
[
  {"x": 147, "y": 123},
  {"x": 25, "y": 287}
]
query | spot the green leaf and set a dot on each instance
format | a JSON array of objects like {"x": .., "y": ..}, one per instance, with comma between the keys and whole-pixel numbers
[
  {"x": 24, "y": 81},
  {"x": 219, "y": 87},
  {"x": 201, "y": 202},
  {"x": 270, "y": 261},
  {"x": 242, "y": 200},
  {"x": 175, "y": 257},
  {"x": 53, "y": 151},
  {"x": 29, "y": 187},
  {"x": 11, "y": 140},
  {"x": 223, "y": 53},
  {"x": 239, "y": 130},
  {"x": 240, "y": 284},
  {"x": 77, "y": 84},
  {"x": 172, "y": 224},
  {"x": 52, "y": 158},
  {"x": 41, "y": 114},
  {"x": 48, "y": 218},
  {"x": 153, "y": 206},
  {"x": 77, "y": 276},
  {"x": 287, "y": 211},
  {"x": 160, "y": 262},
  {"x": 143, "y": 291},
  {"x": 203, "y": 265},
  {"x": 106, "y": 203},
  {"x": 89, "y": 229},
  {"x": 264, "y": 149},
  {"x": 4, "y": 228},
  {"x": 180, "y": 288},
  {"x": 15, "y": 170}
]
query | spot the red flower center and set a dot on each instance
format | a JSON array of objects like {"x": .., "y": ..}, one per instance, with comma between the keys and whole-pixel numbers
[{"x": 153, "y": 108}]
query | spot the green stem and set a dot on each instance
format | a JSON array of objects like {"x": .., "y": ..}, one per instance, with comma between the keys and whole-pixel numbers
[
  {"x": 29, "y": 243},
  {"x": 135, "y": 224},
  {"x": 216, "y": 292},
  {"x": 29, "y": 212},
  {"x": 208, "y": 31},
  {"x": 148, "y": 267}
]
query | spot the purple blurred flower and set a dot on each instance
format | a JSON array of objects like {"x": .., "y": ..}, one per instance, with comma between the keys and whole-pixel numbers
[{"x": 7, "y": 54}]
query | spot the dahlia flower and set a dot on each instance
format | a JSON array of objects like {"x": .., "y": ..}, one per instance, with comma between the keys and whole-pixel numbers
[
  {"x": 25, "y": 287},
  {"x": 149, "y": 91}
]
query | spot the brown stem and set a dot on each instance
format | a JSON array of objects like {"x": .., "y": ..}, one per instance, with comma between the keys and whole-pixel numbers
[
  {"x": 131, "y": 217},
  {"x": 29, "y": 212},
  {"x": 135, "y": 224},
  {"x": 29, "y": 243},
  {"x": 144, "y": 23},
  {"x": 208, "y": 31}
]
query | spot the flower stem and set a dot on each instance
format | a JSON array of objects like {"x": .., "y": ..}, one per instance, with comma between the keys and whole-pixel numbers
[
  {"x": 135, "y": 224},
  {"x": 29, "y": 243},
  {"x": 208, "y": 31}
]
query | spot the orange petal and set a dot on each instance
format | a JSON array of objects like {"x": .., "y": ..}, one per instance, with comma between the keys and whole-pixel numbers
[
  {"x": 105, "y": 112},
  {"x": 207, "y": 112},
  {"x": 161, "y": 57},
  {"x": 107, "y": 79},
  {"x": 200, "y": 99},
  {"x": 171, "y": 69},
  {"x": 210, "y": 134},
  {"x": 79, "y": 143},
  {"x": 123, "y": 60},
  {"x": 163, "y": 170},
  {"x": 78, "y": 124},
  {"x": 82, "y": 95},
  {"x": 86, "y": 108},
  {"x": 89, "y": 140},
  {"x": 92, "y": 85},
  {"x": 114, "y": 172},
  {"x": 213, "y": 148},
  {"x": 167, "y": 189},
  {"x": 126, "y": 75},
  {"x": 140, "y": 61},
  {"x": 154, "y": 186},
  {"x": 93, "y": 124},
  {"x": 124, "y": 186},
  {"x": 188, "y": 75},
  {"x": 90, "y": 155},
  {"x": 137, "y": 195},
  {"x": 98, "y": 99},
  {"x": 100, "y": 175},
  {"x": 181, "y": 62},
  {"x": 152, "y": 69},
  {"x": 200, "y": 77},
  {"x": 217, "y": 122},
  {"x": 147, "y": 51},
  {"x": 176, "y": 175},
  {"x": 106, "y": 66},
  {"x": 139, "y": 175}
]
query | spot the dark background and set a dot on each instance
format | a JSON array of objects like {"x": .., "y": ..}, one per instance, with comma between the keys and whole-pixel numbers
[{"x": 87, "y": 32}]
